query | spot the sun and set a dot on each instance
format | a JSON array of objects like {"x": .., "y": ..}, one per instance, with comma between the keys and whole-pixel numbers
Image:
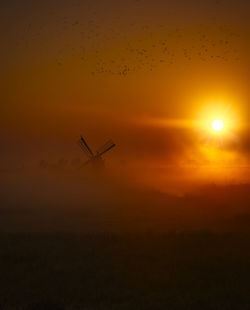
[{"x": 217, "y": 125}]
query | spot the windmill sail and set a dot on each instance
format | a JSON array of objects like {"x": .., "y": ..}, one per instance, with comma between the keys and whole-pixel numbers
[
  {"x": 95, "y": 159},
  {"x": 84, "y": 146},
  {"x": 86, "y": 152},
  {"x": 88, "y": 148},
  {"x": 106, "y": 147}
]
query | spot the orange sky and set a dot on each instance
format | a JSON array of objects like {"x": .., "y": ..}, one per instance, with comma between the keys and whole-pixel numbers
[{"x": 145, "y": 73}]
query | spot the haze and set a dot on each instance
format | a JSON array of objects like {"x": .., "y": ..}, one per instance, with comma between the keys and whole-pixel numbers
[{"x": 151, "y": 75}]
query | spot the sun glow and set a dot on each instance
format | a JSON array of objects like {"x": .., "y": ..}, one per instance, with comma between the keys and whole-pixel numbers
[
  {"x": 217, "y": 125},
  {"x": 218, "y": 118}
]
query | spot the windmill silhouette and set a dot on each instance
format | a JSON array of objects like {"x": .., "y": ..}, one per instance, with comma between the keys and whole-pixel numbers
[{"x": 95, "y": 159}]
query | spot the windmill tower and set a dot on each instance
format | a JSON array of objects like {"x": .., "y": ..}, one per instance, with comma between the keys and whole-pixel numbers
[{"x": 95, "y": 159}]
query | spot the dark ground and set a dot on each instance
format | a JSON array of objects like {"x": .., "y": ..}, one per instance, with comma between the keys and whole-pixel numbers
[{"x": 198, "y": 270}]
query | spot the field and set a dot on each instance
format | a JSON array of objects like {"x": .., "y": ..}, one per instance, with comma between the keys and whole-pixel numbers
[{"x": 199, "y": 270}]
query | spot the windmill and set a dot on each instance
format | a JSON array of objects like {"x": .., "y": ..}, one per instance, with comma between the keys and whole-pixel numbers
[{"x": 95, "y": 159}]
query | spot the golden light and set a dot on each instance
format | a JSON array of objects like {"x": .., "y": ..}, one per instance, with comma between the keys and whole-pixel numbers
[
  {"x": 218, "y": 118},
  {"x": 217, "y": 124}
]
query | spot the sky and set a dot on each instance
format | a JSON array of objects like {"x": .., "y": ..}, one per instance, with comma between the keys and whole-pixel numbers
[{"x": 151, "y": 75}]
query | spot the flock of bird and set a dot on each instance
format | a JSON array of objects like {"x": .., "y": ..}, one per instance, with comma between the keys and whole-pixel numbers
[{"x": 105, "y": 48}]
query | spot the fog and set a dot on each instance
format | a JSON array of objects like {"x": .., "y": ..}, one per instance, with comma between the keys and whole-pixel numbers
[{"x": 55, "y": 198}]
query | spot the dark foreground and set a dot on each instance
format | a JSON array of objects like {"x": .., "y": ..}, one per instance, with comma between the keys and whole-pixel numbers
[{"x": 171, "y": 271}]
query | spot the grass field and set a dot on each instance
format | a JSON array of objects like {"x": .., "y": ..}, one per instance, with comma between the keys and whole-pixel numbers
[{"x": 198, "y": 270}]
